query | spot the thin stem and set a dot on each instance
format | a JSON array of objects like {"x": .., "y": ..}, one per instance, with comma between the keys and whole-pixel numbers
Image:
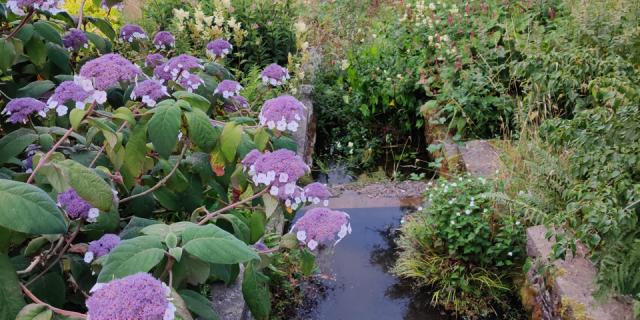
[
  {"x": 95, "y": 159},
  {"x": 211, "y": 215},
  {"x": 33, "y": 264},
  {"x": 633, "y": 204},
  {"x": 52, "y": 308},
  {"x": 66, "y": 135},
  {"x": 80, "y": 14},
  {"x": 23, "y": 22},
  {"x": 162, "y": 181},
  {"x": 64, "y": 249}
]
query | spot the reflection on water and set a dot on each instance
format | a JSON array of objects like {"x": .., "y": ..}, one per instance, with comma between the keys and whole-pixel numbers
[{"x": 356, "y": 273}]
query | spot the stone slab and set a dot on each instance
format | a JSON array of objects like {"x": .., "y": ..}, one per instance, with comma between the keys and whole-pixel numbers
[
  {"x": 480, "y": 158},
  {"x": 574, "y": 281}
]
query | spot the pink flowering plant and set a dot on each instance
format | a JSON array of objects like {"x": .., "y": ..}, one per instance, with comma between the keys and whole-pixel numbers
[{"x": 133, "y": 173}]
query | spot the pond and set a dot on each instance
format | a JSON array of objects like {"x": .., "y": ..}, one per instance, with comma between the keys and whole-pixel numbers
[{"x": 357, "y": 275}]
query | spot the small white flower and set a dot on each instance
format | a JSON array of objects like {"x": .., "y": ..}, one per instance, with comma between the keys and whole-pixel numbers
[
  {"x": 274, "y": 191},
  {"x": 517, "y": 223},
  {"x": 88, "y": 257},
  {"x": 510, "y": 254},
  {"x": 93, "y": 215},
  {"x": 312, "y": 244},
  {"x": 301, "y": 235},
  {"x": 467, "y": 212}
]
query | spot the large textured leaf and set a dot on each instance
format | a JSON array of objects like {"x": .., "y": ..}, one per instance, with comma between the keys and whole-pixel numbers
[
  {"x": 47, "y": 31},
  {"x": 89, "y": 185},
  {"x": 28, "y": 209},
  {"x": 163, "y": 129},
  {"x": 35, "y": 312},
  {"x": 36, "y": 50},
  {"x": 15, "y": 142},
  {"x": 195, "y": 100},
  {"x": 7, "y": 54},
  {"x": 201, "y": 132},
  {"x": 11, "y": 300},
  {"x": 134, "y": 154},
  {"x": 59, "y": 57},
  {"x": 36, "y": 89},
  {"x": 104, "y": 27},
  {"x": 131, "y": 256},
  {"x": 255, "y": 289},
  {"x": 212, "y": 244},
  {"x": 229, "y": 140},
  {"x": 198, "y": 304}
]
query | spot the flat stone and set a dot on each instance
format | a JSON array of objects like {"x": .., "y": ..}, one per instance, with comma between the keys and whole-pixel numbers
[
  {"x": 228, "y": 301},
  {"x": 480, "y": 158},
  {"x": 575, "y": 281}
]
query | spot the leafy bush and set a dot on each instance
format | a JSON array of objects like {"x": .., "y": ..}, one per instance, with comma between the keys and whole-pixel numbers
[
  {"x": 462, "y": 247},
  {"x": 151, "y": 175}
]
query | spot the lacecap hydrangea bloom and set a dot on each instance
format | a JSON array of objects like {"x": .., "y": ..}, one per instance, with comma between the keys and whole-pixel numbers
[
  {"x": 153, "y": 60},
  {"x": 176, "y": 66},
  {"x": 322, "y": 225},
  {"x": 108, "y": 70},
  {"x": 190, "y": 81},
  {"x": 131, "y": 32},
  {"x": 164, "y": 40},
  {"x": 135, "y": 297},
  {"x": 219, "y": 48},
  {"x": 278, "y": 170},
  {"x": 282, "y": 113},
  {"x": 317, "y": 192},
  {"x": 20, "y": 109},
  {"x": 75, "y": 40},
  {"x": 228, "y": 88},
  {"x": 274, "y": 75},
  {"x": 76, "y": 207},
  {"x": 80, "y": 91},
  {"x": 20, "y": 7},
  {"x": 101, "y": 247},
  {"x": 150, "y": 91},
  {"x": 235, "y": 103}
]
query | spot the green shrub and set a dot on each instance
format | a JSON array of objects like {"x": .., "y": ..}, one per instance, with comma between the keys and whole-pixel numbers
[{"x": 462, "y": 247}]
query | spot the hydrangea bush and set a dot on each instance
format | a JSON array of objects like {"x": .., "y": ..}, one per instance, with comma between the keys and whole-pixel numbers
[{"x": 128, "y": 176}]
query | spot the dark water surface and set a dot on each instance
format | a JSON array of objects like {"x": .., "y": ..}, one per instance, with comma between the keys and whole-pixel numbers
[{"x": 357, "y": 269}]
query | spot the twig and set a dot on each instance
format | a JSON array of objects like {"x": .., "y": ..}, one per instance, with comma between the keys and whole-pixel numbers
[
  {"x": 23, "y": 22},
  {"x": 64, "y": 249},
  {"x": 53, "y": 149},
  {"x": 633, "y": 204},
  {"x": 162, "y": 181},
  {"x": 52, "y": 308},
  {"x": 80, "y": 13},
  {"x": 211, "y": 215},
  {"x": 33, "y": 264}
]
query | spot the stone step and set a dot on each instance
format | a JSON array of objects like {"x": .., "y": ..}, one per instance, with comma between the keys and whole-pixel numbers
[{"x": 571, "y": 293}]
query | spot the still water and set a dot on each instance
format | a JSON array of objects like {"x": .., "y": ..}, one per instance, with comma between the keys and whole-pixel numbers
[{"x": 357, "y": 274}]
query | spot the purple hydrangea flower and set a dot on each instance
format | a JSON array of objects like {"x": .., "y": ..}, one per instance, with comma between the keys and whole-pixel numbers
[
  {"x": 274, "y": 75},
  {"x": 139, "y": 296},
  {"x": 101, "y": 247},
  {"x": 316, "y": 192},
  {"x": 164, "y": 40},
  {"x": 219, "y": 48},
  {"x": 76, "y": 207},
  {"x": 75, "y": 40},
  {"x": 150, "y": 91},
  {"x": 259, "y": 246},
  {"x": 278, "y": 170},
  {"x": 20, "y": 109},
  {"x": 322, "y": 225},
  {"x": 131, "y": 32},
  {"x": 228, "y": 88},
  {"x": 153, "y": 60},
  {"x": 80, "y": 91},
  {"x": 282, "y": 113},
  {"x": 235, "y": 103},
  {"x": 20, "y": 7},
  {"x": 108, "y": 70},
  {"x": 174, "y": 68},
  {"x": 190, "y": 81}
]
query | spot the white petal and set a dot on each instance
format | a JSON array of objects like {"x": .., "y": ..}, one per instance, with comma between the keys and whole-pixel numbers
[
  {"x": 88, "y": 257},
  {"x": 312, "y": 244},
  {"x": 301, "y": 235}
]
